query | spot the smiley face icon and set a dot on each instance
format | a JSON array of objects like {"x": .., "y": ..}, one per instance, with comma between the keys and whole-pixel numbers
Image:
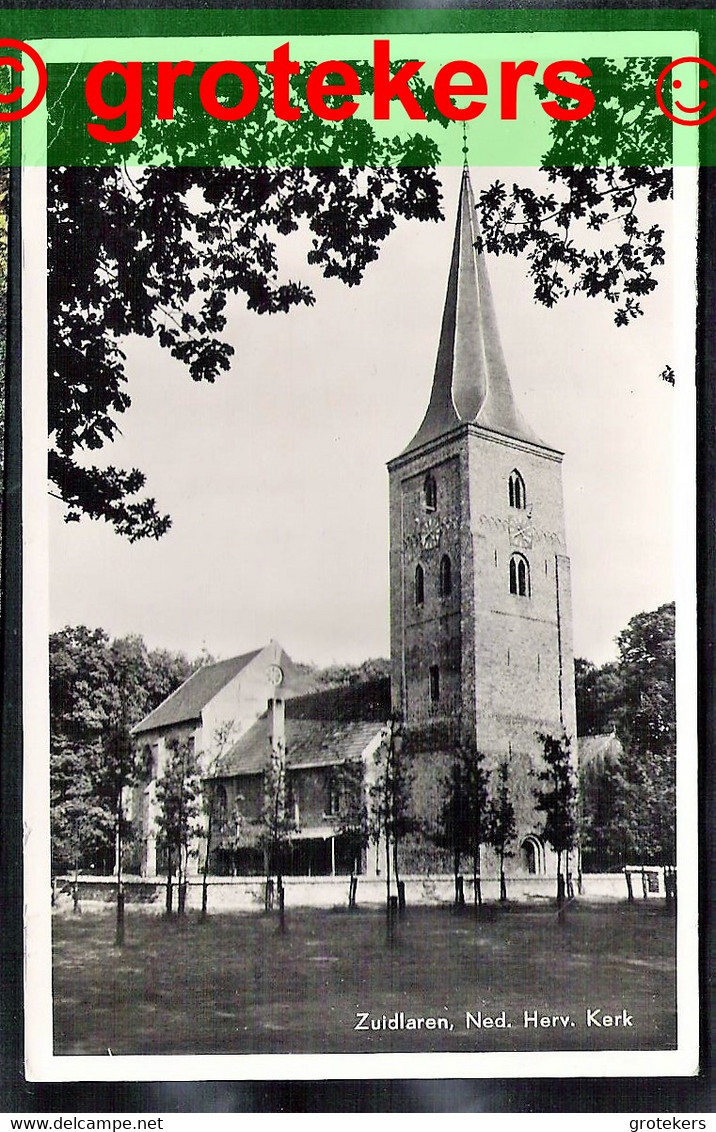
[{"x": 679, "y": 77}]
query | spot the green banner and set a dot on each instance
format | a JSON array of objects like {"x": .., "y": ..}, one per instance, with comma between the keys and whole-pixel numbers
[{"x": 365, "y": 89}]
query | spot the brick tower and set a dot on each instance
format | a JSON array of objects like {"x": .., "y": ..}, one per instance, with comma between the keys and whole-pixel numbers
[{"x": 481, "y": 619}]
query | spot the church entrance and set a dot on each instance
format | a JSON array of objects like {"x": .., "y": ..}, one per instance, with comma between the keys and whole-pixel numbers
[{"x": 532, "y": 856}]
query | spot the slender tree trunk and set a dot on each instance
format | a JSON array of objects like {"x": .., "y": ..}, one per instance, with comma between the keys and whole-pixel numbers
[
  {"x": 181, "y": 889},
  {"x": 76, "y": 907},
  {"x": 396, "y": 873},
  {"x": 280, "y": 893},
  {"x": 170, "y": 876},
  {"x": 205, "y": 874},
  {"x": 387, "y": 867},
  {"x": 181, "y": 881},
  {"x": 560, "y": 886},
  {"x": 399, "y": 886},
  {"x": 476, "y": 877},
  {"x": 503, "y": 881},
  {"x": 119, "y": 932},
  {"x": 459, "y": 889},
  {"x": 353, "y": 885}
]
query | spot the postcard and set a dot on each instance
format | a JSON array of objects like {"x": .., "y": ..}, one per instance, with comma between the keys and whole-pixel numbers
[{"x": 361, "y": 642}]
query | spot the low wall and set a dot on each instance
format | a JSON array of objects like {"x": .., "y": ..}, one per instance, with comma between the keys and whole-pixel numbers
[{"x": 229, "y": 894}]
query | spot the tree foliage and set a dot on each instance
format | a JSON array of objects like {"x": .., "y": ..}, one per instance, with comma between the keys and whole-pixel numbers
[
  {"x": 352, "y": 822},
  {"x": 591, "y": 229},
  {"x": 629, "y": 799},
  {"x": 599, "y": 696},
  {"x": 392, "y": 817},
  {"x": 556, "y": 798},
  {"x": 463, "y": 816},
  {"x": 99, "y": 688},
  {"x": 213, "y": 816},
  {"x": 606, "y": 801},
  {"x": 334, "y": 675},
  {"x": 646, "y": 726},
  {"x": 501, "y": 825},
  {"x": 179, "y": 809},
  {"x": 164, "y": 248}
]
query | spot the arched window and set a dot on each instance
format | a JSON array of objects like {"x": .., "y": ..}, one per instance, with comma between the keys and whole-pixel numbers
[
  {"x": 518, "y": 497},
  {"x": 519, "y": 575},
  {"x": 532, "y": 856},
  {"x": 430, "y": 489},
  {"x": 445, "y": 576},
  {"x": 419, "y": 585}
]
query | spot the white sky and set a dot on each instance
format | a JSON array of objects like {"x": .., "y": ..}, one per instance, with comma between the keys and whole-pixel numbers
[{"x": 275, "y": 476}]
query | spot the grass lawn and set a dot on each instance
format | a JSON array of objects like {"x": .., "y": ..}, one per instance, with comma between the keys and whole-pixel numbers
[{"x": 236, "y": 985}]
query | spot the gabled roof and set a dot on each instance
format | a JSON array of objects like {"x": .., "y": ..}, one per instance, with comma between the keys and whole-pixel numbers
[
  {"x": 194, "y": 694},
  {"x": 471, "y": 382},
  {"x": 322, "y": 729}
]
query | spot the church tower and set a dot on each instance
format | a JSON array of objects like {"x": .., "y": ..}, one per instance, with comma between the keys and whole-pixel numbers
[{"x": 481, "y": 619}]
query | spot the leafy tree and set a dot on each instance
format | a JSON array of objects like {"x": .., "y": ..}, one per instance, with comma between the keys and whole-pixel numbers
[
  {"x": 454, "y": 822},
  {"x": 278, "y": 824},
  {"x": 120, "y": 755},
  {"x": 81, "y": 827},
  {"x": 178, "y": 810},
  {"x": 591, "y": 230},
  {"x": 391, "y": 814},
  {"x": 352, "y": 822},
  {"x": 164, "y": 249},
  {"x": 463, "y": 815},
  {"x": 557, "y": 799},
  {"x": 79, "y": 717},
  {"x": 646, "y": 726},
  {"x": 606, "y": 802},
  {"x": 340, "y": 674},
  {"x": 501, "y": 824},
  {"x": 599, "y": 694},
  {"x": 629, "y": 795},
  {"x": 221, "y": 740},
  {"x": 98, "y": 690}
]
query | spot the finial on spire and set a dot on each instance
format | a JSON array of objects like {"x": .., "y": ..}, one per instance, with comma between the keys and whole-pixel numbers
[{"x": 465, "y": 148}]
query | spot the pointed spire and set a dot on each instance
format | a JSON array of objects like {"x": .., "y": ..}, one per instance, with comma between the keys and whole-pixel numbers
[{"x": 471, "y": 382}]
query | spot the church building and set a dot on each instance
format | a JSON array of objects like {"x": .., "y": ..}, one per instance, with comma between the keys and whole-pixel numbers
[
  {"x": 481, "y": 630},
  {"x": 481, "y": 619}
]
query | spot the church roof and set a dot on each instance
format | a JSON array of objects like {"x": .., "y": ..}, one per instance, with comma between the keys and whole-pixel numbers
[
  {"x": 471, "y": 382},
  {"x": 194, "y": 694},
  {"x": 322, "y": 729}
]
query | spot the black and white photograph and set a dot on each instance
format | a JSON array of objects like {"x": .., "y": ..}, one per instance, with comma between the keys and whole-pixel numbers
[{"x": 351, "y": 699}]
